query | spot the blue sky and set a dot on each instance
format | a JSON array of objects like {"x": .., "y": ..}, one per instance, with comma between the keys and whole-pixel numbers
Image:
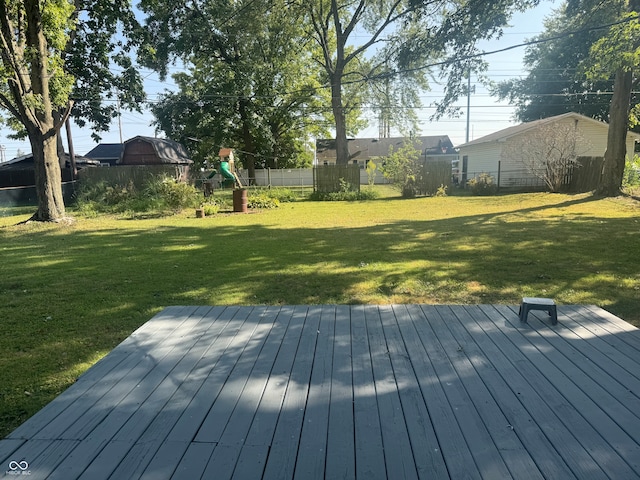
[{"x": 486, "y": 114}]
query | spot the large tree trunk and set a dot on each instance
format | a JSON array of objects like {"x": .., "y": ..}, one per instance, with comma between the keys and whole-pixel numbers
[
  {"x": 342, "y": 146},
  {"x": 614, "y": 156},
  {"x": 48, "y": 179},
  {"x": 41, "y": 126}
]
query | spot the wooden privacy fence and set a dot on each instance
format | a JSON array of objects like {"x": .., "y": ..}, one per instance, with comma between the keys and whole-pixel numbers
[
  {"x": 137, "y": 175},
  {"x": 434, "y": 175},
  {"x": 336, "y": 178},
  {"x": 586, "y": 175}
]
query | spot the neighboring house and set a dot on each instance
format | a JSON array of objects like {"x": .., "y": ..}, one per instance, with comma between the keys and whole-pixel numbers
[
  {"x": 107, "y": 154},
  {"x": 153, "y": 151},
  {"x": 484, "y": 155},
  {"x": 20, "y": 172},
  {"x": 361, "y": 150}
]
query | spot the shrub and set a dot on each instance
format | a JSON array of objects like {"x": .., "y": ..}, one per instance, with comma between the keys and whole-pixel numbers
[
  {"x": 483, "y": 184},
  {"x": 441, "y": 192},
  {"x": 631, "y": 176},
  {"x": 164, "y": 191},
  {"x": 260, "y": 199},
  {"x": 158, "y": 194},
  {"x": 364, "y": 194},
  {"x": 210, "y": 208},
  {"x": 283, "y": 195},
  {"x": 403, "y": 167},
  {"x": 371, "y": 172}
]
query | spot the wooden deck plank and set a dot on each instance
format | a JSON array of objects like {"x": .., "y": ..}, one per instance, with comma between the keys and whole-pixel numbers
[
  {"x": 487, "y": 458},
  {"x": 575, "y": 376},
  {"x": 222, "y": 462},
  {"x": 419, "y": 344},
  {"x": 149, "y": 441},
  {"x": 228, "y": 398},
  {"x": 610, "y": 347},
  {"x": 242, "y": 418},
  {"x": 209, "y": 379},
  {"x": 194, "y": 461},
  {"x": 284, "y": 447},
  {"x": 137, "y": 384},
  {"x": 397, "y": 447},
  {"x": 251, "y": 462},
  {"x": 366, "y": 422},
  {"x": 360, "y": 391},
  {"x": 514, "y": 457},
  {"x": 532, "y": 422},
  {"x": 310, "y": 462},
  {"x": 266, "y": 418},
  {"x": 572, "y": 435},
  {"x": 89, "y": 388},
  {"x": 341, "y": 461},
  {"x": 425, "y": 446},
  {"x": 122, "y": 444},
  {"x": 43, "y": 456}
]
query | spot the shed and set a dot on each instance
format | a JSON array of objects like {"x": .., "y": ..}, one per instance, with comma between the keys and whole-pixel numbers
[
  {"x": 153, "y": 151},
  {"x": 484, "y": 155}
]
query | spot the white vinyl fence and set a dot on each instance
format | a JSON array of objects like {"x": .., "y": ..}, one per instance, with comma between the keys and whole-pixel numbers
[{"x": 296, "y": 177}]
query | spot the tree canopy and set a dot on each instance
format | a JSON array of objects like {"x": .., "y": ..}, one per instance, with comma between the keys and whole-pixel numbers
[
  {"x": 249, "y": 83},
  {"x": 56, "y": 61},
  {"x": 585, "y": 62},
  {"x": 557, "y": 62},
  {"x": 361, "y": 42}
]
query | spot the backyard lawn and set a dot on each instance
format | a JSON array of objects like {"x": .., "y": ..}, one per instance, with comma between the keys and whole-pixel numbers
[{"x": 70, "y": 293}]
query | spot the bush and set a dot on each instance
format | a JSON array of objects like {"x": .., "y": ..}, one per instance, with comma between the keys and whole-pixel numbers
[
  {"x": 260, "y": 199},
  {"x": 631, "y": 176},
  {"x": 163, "y": 191},
  {"x": 441, "y": 192},
  {"x": 159, "y": 194},
  {"x": 364, "y": 194},
  {"x": 281, "y": 194},
  {"x": 483, "y": 184},
  {"x": 210, "y": 208}
]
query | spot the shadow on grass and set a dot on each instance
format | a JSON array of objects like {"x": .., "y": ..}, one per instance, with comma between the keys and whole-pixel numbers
[{"x": 67, "y": 299}]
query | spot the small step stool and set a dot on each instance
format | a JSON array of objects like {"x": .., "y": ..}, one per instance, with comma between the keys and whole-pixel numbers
[{"x": 532, "y": 303}]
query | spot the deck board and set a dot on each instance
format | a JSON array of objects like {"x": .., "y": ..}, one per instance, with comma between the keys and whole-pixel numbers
[{"x": 358, "y": 391}]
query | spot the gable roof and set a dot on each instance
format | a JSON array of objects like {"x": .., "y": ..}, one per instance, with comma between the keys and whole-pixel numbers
[
  {"x": 105, "y": 150},
  {"x": 26, "y": 162},
  {"x": 364, "y": 148},
  {"x": 506, "y": 133},
  {"x": 167, "y": 151}
]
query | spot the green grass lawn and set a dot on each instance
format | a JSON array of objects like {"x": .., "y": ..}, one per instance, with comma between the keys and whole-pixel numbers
[{"x": 69, "y": 294}]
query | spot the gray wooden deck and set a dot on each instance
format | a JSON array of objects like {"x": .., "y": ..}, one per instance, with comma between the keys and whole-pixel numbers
[{"x": 403, "y": 391}]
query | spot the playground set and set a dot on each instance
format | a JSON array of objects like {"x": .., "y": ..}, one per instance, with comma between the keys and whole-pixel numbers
[{"x": 229, "y": 179}]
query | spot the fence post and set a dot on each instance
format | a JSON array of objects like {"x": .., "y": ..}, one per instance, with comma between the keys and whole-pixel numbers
[{"x": 499, "y": 171}]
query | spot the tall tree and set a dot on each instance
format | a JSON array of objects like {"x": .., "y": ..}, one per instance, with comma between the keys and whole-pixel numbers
[
  {"x": 618, "y": 53},
  {"x": 40, "y": 43},
  {"x": 585, "y": 63},
  {"x": 249, "y": 82},
  {"x": 555, "y": 83},
  {"x": 407, "y": 33}
]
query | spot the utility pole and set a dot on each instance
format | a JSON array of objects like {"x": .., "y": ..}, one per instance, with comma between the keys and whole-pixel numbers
[
  {"x": 119, "y": 119},
  {"x": 72, "y": 153},
  {"x": 468, "y": 102}
]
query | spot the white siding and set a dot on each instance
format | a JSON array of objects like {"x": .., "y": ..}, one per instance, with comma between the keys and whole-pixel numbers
[
  {"x": 482, "y": 158},
  {"x": 485, "y": 157}
]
